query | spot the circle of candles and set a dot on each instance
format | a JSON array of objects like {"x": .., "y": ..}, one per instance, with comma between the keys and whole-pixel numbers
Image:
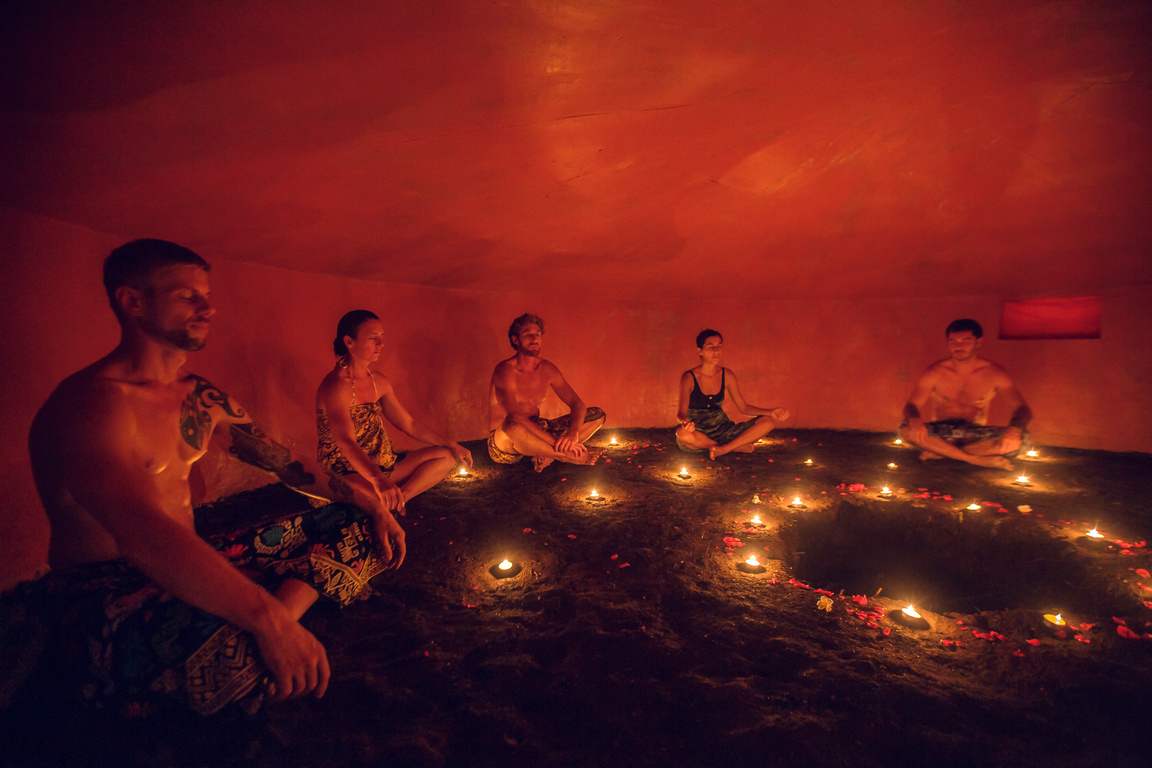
[
  {"x": 751, "y": 565},
  {"x": 505, "y": 569},
  {"x": 594, "y": 497}
]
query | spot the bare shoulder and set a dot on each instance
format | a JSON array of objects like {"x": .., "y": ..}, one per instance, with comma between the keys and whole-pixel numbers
[
  {"x": 998, "y": 373},
  {"x": 504, "y": 369}
]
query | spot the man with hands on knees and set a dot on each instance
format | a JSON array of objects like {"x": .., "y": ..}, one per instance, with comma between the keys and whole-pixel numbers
[{"x": 147, "y": 611}]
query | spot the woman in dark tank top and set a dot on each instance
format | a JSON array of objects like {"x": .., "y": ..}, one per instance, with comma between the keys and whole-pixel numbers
[{"x": 704, "y": 425}]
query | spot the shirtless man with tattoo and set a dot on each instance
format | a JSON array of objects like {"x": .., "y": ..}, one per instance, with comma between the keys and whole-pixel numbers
[
  {"x": 955, "y": 394},
  {"x": 519, "y": 385},
  {"x": 111, "y": 453}
]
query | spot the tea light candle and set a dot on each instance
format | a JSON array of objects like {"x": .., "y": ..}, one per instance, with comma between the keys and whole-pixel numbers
[
  {"x": 751, "y": 565},
  {"x": 1094, "y": 534},
  {"x": 797, "y": 504},
  {"x": 756, "y": 522},
  {"x": 463, "y": 474},
  {"x": 594, "y": 497},
  {"x": 808, "y": 462},
  {"x": 1032, "y": 454},
  {"x": 1055, "y": 622},
  {"x": 505, "y": 569},
  {"x": 909, "y": 617},
  {"x": 1022, "y": 480},
  {"x": 684, "y": 473},
  {"x": 892, "y": 465},
  {"x": 613, "y": 442},
  {"x": 974, "y": 507},
  {"x": 885, "y": 492},
  {"x": 897, "y": 441}
]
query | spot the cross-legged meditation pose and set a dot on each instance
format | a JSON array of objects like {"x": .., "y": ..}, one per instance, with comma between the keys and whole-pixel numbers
[
  {"x": 351, "y": 405},
  {"x": 144, "y": 607},
  {"x": 704, "y": 426},
  {"x": 955, "y": 394},
  {"x": 519, "y": 385}
]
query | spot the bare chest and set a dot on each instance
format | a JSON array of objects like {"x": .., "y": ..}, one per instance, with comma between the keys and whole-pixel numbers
[{"x": 975, "y": 389}]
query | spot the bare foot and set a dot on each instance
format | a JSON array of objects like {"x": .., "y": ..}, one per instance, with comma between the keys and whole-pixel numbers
[
  {"x": 928, "y": 455},
  {"x": 540, "y": 462},
  {"x": 746, "y": 448},
  {"x": 586, "y": 458},
  {"x": 996, "y": 462}
]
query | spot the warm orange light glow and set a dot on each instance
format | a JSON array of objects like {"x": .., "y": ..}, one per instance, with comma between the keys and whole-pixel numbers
[
  {"x": 1032, "y": 454},
  {"x": 809, "y": 461},
  {"x": 594, "y": 494},
  {"x": 756, "y": 520},
  {"x": 1056, "y": 621},
  {"x": 613, "y": 442},
  {"x": 796, "y": 502},
  {"x": 891, "y": 465},
  {"x": 505, "y": 565},
  {"x": 910, "y": 611},
  {"x": 752, "y": 561},
  {"x": 885, "y": 491},
  {"x": 1095, "y": 534},
  {"x": 973, "y": 506},
  {"x": 1023, "y": 479},
  {"x": 684, "y": 471},
  {"x": 897, "y": 441},
  {"x": 463, "y": 471}
]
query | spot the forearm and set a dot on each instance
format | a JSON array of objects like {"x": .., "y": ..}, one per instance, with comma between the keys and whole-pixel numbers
[{"x": 1021, "y": 417}]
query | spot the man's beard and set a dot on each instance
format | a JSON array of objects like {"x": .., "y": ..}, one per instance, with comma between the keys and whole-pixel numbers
[{"x": 177, "y": 337}]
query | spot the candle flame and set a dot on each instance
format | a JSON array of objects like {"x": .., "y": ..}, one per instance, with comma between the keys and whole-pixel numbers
[
  {"x": 973, "y": 506},
  {"x": 898, "y": 441},
  {"x": 885, "y": 491},
  {"x": 891, "y": 465},
  {"x": 463, "y": 471},
  {"x": 752, "y": 560},
  {"x": 796, "y": 502},
  {"x": 594, "y": 494},
  {"x": 1032, "y": 454},
  {"x": 1095, "y": 534},
  {"x": 910, "y": 611},
  {"x": 756, "y": 520},
  {"x": 684, "y": 470},
  {"x": 505, "y": 565},
  {"x": 809, "y": 461},
  {"x": 1022, "y": 479},
  {"x": 613, "y": 441}
]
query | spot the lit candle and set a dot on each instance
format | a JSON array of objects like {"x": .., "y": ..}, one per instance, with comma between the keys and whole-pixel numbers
[
  {"x": 909, "y": 617},
  {"x": 1022, "y": 480},
  {"x": 1032, "y": 454},
  {"x": 756, "y": 521},
  {"x": 595, "y": 497},
  {"x": 751, "y": 565},
  {"x": 891, "y": 465},
  {"x": 886, "y": 492},
  {"x": 808, "y": 462},
  {"x": 797, "y": 504},
  {"x": 684, "y": 472},
  {"x": 505, "y": 569},
  {"x": 1056, "y": 622},
  {"x": 910, "y": 612},
  {"x": 613, "y": 442},
  {"x": 897, "y": 441},
  {"x": 1095, "y": 534},
  {"x": 463, "y": 472}
]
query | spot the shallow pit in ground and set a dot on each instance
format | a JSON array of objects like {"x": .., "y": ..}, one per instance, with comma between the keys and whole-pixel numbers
[{"x": 951, "y": 562}]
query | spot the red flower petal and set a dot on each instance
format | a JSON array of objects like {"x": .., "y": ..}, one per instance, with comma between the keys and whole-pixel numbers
[
  {"x": 1033, "y": 641},
  {"x": 1123, "y": 631}
]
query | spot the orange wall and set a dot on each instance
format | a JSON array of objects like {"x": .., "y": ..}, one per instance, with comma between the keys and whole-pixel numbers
[{"x": 834, "y": 363}]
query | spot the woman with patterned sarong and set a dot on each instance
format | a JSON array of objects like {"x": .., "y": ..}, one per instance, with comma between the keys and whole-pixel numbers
[
  {"x": 704, "y": 425},
  {"x": 351, "y": 405}
]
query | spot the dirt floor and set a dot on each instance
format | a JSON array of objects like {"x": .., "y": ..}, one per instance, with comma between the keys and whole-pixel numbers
[{"x": 630, "y": 638}]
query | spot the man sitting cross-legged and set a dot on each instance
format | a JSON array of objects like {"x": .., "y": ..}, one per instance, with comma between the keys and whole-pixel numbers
[
  {"x": 519, "y": 385},
  {"x": 143, "y": 606},
  {"x": 956, "y": 393}
]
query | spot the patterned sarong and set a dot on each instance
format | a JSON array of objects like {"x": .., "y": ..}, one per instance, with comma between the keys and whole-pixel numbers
[
  {"x": 961, "y": 432},
  {"x": 714, "y": 423},
  {"x": 555, "y": 427},
  {"x": 118, "y": 639}
]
